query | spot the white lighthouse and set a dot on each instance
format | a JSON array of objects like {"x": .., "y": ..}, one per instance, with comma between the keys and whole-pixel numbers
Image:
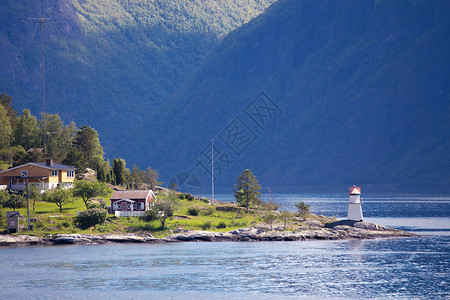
[{"x": 354, "y": 205}]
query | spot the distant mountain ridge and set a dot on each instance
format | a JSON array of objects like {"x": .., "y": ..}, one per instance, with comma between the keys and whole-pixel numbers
[
  {"x": 358, "y": 92},
  {"x": 110, "y": 63},
  {"x": 363, "y": 87}
]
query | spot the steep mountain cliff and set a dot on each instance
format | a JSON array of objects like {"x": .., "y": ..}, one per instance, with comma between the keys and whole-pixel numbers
[
  {"x": 355, "y": 92},
  {"x": 110, "y": 63},
  {"x": 308, "y": 93}
]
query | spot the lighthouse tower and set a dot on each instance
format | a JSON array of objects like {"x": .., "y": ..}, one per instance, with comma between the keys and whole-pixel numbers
[{"x": 354, "y": 205}]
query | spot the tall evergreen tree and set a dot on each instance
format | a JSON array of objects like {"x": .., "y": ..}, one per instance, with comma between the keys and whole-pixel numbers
[
  {"x": 119, "y": 170},
  {"x": 88, "y": 143},
  {"x": 77, "y": 159},
  {"x": 137, "y": 177},
  {"x": 246, "y": 190},
  {"x": 151, "y": 178},
  {"x": 102, "y": 171}
]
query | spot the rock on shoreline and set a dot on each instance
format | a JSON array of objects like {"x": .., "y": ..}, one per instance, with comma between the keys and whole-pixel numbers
[{"x": 339, "y": 230}]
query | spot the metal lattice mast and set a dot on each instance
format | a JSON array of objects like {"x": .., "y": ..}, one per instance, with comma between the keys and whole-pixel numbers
[{"x": 41, "y": 22}]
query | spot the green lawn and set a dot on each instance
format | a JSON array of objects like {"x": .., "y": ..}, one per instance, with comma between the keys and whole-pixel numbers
[{"x": 49, "y": 220}]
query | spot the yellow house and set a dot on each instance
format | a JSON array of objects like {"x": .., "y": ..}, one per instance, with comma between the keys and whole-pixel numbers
[{"x": 46, "y": 175}]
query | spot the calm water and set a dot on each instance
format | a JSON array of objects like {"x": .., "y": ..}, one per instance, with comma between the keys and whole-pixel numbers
[{"x": 407, "y": 268}]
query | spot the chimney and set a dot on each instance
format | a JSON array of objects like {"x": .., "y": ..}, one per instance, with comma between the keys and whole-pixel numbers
[{"x": 49, "y": 162}]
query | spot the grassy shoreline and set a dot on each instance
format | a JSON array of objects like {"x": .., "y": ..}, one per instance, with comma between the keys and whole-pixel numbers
[{"x": 48, "y": 220}]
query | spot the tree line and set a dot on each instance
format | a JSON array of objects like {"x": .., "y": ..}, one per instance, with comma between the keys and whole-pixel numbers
[{"x": 24, "y": 139}]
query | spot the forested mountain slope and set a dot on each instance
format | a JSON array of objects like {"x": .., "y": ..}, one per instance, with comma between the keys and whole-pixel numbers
[
  {"x": 360, "y": 93},
  {"x": 110, "y": 63}
]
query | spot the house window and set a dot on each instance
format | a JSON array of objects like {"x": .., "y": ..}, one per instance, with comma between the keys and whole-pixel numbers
[
  {"x": 24, "y": 173},
  {"x": 54, "y": 172},
  {"x": 70, "y": 174}
]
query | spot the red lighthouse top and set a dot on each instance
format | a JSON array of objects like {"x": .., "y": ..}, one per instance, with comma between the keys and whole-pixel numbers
[{"x": 354, "y": 190}]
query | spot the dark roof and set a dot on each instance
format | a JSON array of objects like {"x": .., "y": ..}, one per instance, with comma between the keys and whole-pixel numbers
[
  {"x": 54, "y": 166},
  {"x": 43, "y": 165},
  {"x": 131, "y": 194}
]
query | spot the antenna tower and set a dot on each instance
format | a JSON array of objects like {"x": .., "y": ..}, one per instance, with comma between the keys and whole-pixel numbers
[{"x": 41, "y": 22}]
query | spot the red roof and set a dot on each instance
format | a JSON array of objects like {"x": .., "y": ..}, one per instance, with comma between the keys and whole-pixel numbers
[
  {"x": 354, "y": 190},
  {"x": 131, "y": 194}
]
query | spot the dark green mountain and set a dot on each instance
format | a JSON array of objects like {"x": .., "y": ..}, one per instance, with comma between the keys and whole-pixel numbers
[
  {"x": 359, "y": 94},
  {"x": 308, "y": 93},
  {"x": 110, "y": 63}
]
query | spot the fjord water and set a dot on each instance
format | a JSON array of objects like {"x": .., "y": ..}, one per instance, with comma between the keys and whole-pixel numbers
[{"x": 400, "y": 268}]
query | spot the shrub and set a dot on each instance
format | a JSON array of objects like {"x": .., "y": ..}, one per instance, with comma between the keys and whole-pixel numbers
[
  {"x": 206, "y": 225},
  {"x": 96, "y": 203},
  {"x": 208, "y": 211},
  {"x": 90, "y": 217},
  {"x": 150, "y": 215},
  {"x": 206, "y": 200},
  {"x": 186, "y": 196},
  {"x": 2, "y": 217},
  {"x": 103, "y": 227},
  {"x": 193, "y": 211},
  {"x": 237, "y": 223},
  {"x": 15, "y": 201},
  {"x": 189, "y": 197},
  {"x": 4, "y": 196},
  {"x": 221, "y": 225}
]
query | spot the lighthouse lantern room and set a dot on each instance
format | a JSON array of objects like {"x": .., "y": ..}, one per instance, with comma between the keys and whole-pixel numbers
[{"x": 354, "y": 204}]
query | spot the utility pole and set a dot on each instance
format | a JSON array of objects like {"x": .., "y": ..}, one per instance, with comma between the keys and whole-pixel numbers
[
  {"x": 28, "y": 206},
  {"x": 41, "y": 22}
]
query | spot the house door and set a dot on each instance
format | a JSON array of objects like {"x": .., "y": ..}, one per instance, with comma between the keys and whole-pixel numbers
[{"x": 123, "y": 206}]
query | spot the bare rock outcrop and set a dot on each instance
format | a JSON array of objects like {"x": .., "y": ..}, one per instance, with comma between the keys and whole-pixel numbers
[{"x": 338, "y": 230}]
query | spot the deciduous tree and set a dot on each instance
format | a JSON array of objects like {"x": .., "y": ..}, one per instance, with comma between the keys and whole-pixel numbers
[
  {"x": 4, "y": 196},
  {"x": 87, "y": 189},
  {"x": 164, "y": 207},
  {"x": 6, "y": 101},
  {"x": 26, "y": 132},
  {"x": 34, "y": 194},
  {"x": 59, "y": 197},
  {"x": 14, "y": 201},
  {"x": 5, "y": 129},
  {"x": 59, "y": 138}
]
